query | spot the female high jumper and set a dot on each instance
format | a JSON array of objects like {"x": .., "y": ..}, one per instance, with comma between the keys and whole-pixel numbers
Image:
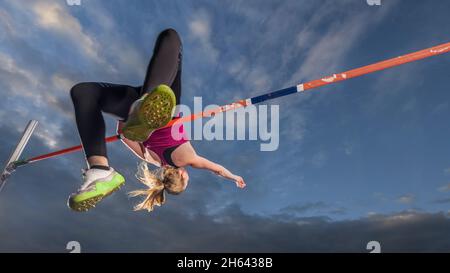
[{"x": 143, "y": 113}]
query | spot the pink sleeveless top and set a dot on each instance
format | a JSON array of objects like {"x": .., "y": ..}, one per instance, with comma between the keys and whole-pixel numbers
[{"x": 162, "y": 143}]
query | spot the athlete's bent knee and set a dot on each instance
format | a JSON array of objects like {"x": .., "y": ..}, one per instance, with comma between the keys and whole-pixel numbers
[
  {"x": 170, "y": 34},
  {"x": 78, "y": 91}
]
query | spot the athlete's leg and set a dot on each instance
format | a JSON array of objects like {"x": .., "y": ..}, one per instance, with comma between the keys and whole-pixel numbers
[
  {"x": 165, "y": 64},
  {"x": 90, "y": 100},
  {"x": 157, "y": 104}
]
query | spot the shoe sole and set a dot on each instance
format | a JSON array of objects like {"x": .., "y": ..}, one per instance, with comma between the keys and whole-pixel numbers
[
  {"x": 91, "y": 202},
  {"x": 155, "y": 111}
]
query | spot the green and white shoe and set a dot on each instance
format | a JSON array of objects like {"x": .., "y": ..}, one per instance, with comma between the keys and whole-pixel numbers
[
  {"x": 152, "y": 111},
  {"x": 97, "y": 185}
]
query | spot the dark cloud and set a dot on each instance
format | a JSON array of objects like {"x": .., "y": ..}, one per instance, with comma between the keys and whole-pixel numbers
[
  {"x": 313, "y": 207},
  {"x": 299, "y": 209}
]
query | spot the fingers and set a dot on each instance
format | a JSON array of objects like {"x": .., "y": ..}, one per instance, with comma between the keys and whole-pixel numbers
[{"x": 240, "y": 183}]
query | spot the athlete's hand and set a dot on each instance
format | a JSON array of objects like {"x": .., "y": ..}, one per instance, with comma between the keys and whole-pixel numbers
[{"x": 240, "y": 183}]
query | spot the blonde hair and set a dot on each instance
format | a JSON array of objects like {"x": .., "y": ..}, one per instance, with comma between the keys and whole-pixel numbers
[{"x": 158, "y": 182}]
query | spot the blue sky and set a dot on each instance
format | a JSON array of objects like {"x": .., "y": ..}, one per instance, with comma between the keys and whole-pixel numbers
[{"x": 371, "y": 153}]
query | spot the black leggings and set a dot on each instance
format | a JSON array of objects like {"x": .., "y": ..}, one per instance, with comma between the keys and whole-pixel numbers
[{"x": 90, "y": 99}]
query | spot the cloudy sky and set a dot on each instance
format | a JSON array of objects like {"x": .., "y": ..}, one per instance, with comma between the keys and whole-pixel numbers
[{"x": 363, "y": 160}]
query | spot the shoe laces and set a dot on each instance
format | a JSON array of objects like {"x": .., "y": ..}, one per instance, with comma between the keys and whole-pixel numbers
[{"x": 84, "y": 177}]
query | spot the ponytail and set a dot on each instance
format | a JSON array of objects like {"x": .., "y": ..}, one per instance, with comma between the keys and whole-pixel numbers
[{"x": 154, "y": 194}]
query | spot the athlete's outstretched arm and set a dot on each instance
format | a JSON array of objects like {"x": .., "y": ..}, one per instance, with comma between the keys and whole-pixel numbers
[{"x": 203, "y": 163}]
